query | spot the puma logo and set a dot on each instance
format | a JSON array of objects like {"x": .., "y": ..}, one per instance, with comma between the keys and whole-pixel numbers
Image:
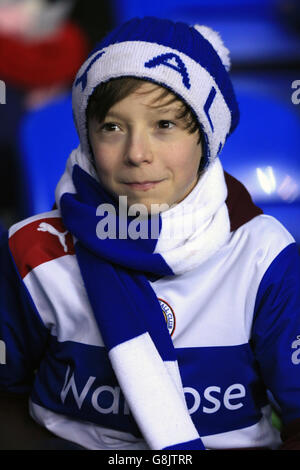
[{"x": 44, "y": 227}]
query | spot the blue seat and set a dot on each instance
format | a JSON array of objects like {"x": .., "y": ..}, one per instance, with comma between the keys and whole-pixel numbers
[
  {"x": 263, "y": 152},
  {"x": 46, "y": 138}
]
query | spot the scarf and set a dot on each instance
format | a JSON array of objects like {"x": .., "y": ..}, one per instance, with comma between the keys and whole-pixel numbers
[{"x": 116, "y": 272}]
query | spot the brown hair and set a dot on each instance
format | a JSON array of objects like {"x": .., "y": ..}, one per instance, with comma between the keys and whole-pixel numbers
[{"x": 109, "y": 93}]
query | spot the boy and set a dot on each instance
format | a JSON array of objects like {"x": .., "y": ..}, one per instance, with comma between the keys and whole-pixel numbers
[{"x": 156, "y": 307}]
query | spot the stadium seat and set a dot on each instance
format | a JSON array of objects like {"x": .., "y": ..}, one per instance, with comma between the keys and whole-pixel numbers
[
  {"x": 47, "y": 136},
  {"x": 263, "y": 152}
]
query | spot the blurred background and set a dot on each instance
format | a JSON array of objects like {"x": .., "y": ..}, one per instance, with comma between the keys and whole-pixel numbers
[{"x": 43, "y": 43}]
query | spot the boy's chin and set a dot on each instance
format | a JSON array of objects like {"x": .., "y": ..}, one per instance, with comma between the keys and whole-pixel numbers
[{"x": 140, "y": 206}]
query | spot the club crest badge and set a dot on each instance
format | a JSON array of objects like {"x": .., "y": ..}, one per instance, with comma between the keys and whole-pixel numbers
[{"x": 169, "y": 315}]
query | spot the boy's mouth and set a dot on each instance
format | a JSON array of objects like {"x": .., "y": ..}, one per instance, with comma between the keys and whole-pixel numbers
[{"x": 143, "y": 185}]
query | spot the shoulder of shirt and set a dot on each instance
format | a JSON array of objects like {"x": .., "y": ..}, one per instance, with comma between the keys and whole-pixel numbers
[
  {"x": 267, "y": 225},
  {"x": 266, "y": 235},
  {"x": 39, "y": 239}
]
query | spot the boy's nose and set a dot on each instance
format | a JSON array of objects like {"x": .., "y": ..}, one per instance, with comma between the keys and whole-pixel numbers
[{"x": 138, "y": 149}]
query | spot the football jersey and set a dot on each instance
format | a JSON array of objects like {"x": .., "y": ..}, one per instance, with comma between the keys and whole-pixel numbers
[{"x": 234, "y": 322}]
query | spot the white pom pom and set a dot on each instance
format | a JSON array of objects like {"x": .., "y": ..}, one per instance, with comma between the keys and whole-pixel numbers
[{"x": 216, "y": 41}]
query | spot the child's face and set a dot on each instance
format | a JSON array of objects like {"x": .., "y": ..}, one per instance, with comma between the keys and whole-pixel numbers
[{"x": 143, "y": 151}]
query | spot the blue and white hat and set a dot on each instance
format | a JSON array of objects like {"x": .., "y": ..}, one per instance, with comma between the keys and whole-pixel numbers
[{"x": 191, "y": 61}]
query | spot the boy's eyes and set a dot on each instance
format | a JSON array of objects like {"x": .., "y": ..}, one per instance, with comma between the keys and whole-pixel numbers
[
  {"x": 109, "y": 127},
  {"x": 164, "y": 124},
  {"x": 113, "y": 127}
]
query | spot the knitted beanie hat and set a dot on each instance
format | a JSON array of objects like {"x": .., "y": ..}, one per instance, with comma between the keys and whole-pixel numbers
[{"x": 191, "y": 61}]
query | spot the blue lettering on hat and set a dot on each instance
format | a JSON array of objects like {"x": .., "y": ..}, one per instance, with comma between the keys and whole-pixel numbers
[
  {"x": 208, "y": 104},
  {"x": 168, "y": 61},
  {"x": 83, "y": 78}
]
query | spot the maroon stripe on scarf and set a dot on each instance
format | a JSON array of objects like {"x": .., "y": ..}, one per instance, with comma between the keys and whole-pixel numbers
[{"x": 240, "y": 206}]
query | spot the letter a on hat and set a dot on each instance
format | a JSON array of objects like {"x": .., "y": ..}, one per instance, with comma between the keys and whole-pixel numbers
[{"x": 174, "y": 62}]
